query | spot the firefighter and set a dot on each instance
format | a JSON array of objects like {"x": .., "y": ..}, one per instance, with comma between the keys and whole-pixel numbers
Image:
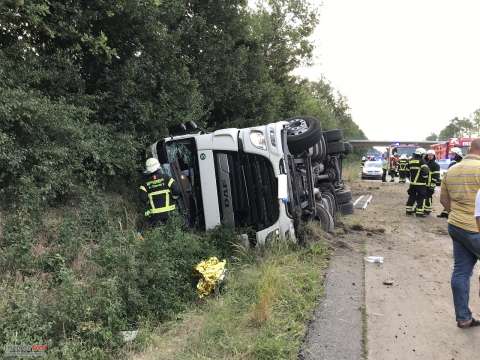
[
  {"x": 433, "y": 180},
  {"x": 393, "y": 167},
  {"x": 403, "y": 168},
  {"x": 417, "y": 192},
  {"x": 158, "y": 192},
  {"x": 455, "y": 155},
  {"x": 384, "y": 167}
]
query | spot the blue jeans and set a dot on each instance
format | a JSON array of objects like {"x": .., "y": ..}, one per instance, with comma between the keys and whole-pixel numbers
[{"x": 466, "y": 245}]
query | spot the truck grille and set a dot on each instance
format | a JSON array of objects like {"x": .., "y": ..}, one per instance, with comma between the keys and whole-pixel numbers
[{"x": 247, "y": 190}]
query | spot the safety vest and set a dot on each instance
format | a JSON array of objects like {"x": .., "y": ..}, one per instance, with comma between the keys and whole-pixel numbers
[
  {"x": 419, "y": 172},
  {"x": 159, "y": 195},
  {"x": 403, "y": 164}
]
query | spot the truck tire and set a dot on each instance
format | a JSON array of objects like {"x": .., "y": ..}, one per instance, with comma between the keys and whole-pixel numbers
[
  {"x": 325, "y": 218},
  {"x": 333, "y": 135},
  {"x": 332, "y": 203},
  {"x": 335, "y": 148},
  {"x": 302, "y": 133},
  {"x": 347, "y": 208},
  {"x": 319, "y": 150},
  {"x": 343, "y": 196}
]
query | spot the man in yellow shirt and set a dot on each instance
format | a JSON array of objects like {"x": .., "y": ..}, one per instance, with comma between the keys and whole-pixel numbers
[{"x": 459, "y": 188}]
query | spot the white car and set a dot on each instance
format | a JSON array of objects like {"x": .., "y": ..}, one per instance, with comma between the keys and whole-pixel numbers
[
  {"x": 372, "y": 170},
  {"x": 444, "y": 164}
]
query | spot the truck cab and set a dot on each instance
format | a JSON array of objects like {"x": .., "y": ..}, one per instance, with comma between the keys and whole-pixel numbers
[{"x": 266, "y": 178}]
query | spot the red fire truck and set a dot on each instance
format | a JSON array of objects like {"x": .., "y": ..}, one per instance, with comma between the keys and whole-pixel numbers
[{"x": 442, "y": 149}]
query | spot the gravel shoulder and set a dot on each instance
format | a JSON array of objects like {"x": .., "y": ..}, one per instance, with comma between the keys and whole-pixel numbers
[{"x": 339, "y": 314}]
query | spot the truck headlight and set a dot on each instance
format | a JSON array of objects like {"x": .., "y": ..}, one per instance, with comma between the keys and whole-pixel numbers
[{"x": 258, "y": 139}]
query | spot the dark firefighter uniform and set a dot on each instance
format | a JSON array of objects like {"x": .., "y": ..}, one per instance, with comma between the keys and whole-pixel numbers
[
  {"x": 417, "y": 192},
  {"x": 455, "y": 160},
  {"x": 433, "y": 181},
  {"x": 158, "y": 192},
  {"x": 403, "y": 171}
]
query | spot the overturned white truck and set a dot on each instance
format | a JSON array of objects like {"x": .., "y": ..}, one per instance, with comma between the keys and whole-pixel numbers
[{"x": 267, "y": 178}]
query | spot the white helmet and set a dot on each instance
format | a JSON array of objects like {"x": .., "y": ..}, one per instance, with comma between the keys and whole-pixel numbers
[
  {"x": 152, "y": 165},
  {"x": 403, "y": 157},
  {"x": 420, "y": 151},
  {"x": 431, "y": 152},
  {"x": 456, "y": 151}
]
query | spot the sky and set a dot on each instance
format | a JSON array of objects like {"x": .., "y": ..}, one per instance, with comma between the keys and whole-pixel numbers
[{"x": 407, "y": 67}]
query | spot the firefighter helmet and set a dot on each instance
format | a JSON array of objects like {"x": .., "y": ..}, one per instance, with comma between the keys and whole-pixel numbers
[
  {"x": 403, "y": 157},
  {"x": 456, "y": 151},
  {"x": 151, "y": 165},
  {"x": 420, "y": 151}
]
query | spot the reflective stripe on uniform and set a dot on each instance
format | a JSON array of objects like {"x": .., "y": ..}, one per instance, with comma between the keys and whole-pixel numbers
[
  {"x": 164, "y": 209},
  {"x": 415, "y": 181},
  {"x": 143, "y": 188},
  {"x": 170, "y": 182}
]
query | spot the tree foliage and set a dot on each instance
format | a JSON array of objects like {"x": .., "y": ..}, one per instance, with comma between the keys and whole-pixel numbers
[{"x": 86, "y": 85}]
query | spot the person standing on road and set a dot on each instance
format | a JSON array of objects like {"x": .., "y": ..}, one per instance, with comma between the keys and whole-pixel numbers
[
  {"x": 433, "y": 180},
  {"x": 393, "y": 167},
  {"x": 403, "y": 169},
  {"x": 455, "y": 155},
  {"x": 417, "y": 192},
  {"x": 458, "y": 194},
  {"x": 384, "y": 167}
]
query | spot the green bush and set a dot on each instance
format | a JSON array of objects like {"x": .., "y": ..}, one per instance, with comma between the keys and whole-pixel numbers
[{"x": 96, "y": 276}]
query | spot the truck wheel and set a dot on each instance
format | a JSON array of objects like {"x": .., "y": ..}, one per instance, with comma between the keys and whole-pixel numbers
[
  {"x": 335, "y": 148},
  {"x": 332, "y": 203},
  {"x": 347, "y": 208},
  {"x": 319, "y": 150},
  {"x": 302, "y": 133},
  {"x": 333, "y": 135},
  {"x": 325, "y": 218},
  {"x": 343, "y": 196}
]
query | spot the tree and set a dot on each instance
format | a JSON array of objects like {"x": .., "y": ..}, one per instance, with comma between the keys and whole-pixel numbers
[{"x": 432, "y": 137}]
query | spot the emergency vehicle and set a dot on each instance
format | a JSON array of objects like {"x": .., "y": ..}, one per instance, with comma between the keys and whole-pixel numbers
[
  {"x": 442, "y": 149},
  {"x": 395, "y": 150}
]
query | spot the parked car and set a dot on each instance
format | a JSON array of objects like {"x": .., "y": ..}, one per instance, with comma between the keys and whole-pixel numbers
[
  {"x": 268, "y": 178},
  {"x": 372, "y": 170}
]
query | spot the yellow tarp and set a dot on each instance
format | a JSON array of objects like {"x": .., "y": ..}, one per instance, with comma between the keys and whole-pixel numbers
[{"x": 213, "y": 272}]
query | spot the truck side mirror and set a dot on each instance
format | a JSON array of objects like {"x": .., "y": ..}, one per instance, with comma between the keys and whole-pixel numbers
[{"x": 283, "y": 187}]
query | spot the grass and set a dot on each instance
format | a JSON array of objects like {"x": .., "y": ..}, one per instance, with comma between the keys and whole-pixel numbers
[
  {"x": 261, "y": 314},
  {"x": 351, "y": 170}
]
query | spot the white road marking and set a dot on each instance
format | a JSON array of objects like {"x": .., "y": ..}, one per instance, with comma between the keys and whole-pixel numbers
[
  {"x": 356, "y": 201},
  {"x": 367, "y": 202}
]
